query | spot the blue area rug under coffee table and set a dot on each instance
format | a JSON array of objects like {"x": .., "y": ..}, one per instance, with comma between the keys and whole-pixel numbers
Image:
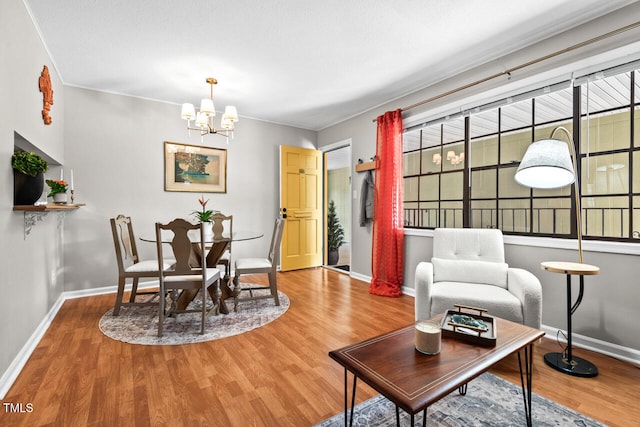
[{"x": 490, "y": 401}]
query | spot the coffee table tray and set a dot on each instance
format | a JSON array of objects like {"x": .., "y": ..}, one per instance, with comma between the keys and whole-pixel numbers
[{"x": 470, "y": 333}]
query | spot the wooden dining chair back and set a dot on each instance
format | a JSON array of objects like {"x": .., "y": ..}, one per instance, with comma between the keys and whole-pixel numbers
[
  {"x": 185, "y": 274},
  {"x": 223, "y": 230},
  {"x": 130, "y": 266},
  {"x": 257, "y": 266}
]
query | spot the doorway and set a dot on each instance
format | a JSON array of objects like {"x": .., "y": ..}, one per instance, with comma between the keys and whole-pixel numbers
[{"x": 338, "y": 190}]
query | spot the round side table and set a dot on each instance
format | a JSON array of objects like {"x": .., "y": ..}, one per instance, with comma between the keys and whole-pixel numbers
[{"x": 566, "y": 362}]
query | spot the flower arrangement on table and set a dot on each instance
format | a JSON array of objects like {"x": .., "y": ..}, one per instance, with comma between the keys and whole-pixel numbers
[
  {"x": 205, "y": 214},
  {"x": 56, "y": 186}
]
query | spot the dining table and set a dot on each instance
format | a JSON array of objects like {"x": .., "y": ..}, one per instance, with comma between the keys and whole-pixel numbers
[{"x": 216, "y": 247}]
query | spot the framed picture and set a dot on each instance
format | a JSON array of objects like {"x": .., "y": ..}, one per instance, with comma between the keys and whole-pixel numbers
[{"x": 194, "y": 168}]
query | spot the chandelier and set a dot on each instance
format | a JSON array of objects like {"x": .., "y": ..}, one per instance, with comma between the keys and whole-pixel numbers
[
  {"x": 204, "y": 117},
  {"x": 453, "y": 158}
]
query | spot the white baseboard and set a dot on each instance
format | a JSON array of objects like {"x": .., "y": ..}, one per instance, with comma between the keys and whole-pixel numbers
[
  {"x": 614, "y": 350},
  {"x": 12, "y": 372},
  {"x": 106, "y": 290},
  {"x": 409, "y": 291},
  {"x": 9, "y": 376},
  {"x": 360, "y": 277}
]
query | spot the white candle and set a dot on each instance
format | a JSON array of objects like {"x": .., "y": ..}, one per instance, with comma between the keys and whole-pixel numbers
[
  {"x": 428, "y": 337},
  {"x": 71, "y": 179},
  {"x": 61, "y": 174}
]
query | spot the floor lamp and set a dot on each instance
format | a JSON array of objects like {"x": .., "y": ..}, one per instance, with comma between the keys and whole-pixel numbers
[{"x": 548, "y": 164}]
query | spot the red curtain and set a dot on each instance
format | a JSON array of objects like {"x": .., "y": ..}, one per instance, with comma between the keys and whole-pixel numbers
[{"x": 388, "y": 219}]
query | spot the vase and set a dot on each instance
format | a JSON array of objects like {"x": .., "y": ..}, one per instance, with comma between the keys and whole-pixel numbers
[
  {"x": 60, "y": 198},
  {"x": 334, "y": 256},
  {"x": 27, "y": 189},
  {"x": 208, "y": 232}
]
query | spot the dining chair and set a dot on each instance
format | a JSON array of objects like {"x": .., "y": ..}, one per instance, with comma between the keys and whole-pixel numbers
[
  {"x": 184, "y": 274},
  {"x": 260, "y": 266},
  {"x": 130, "y": 266},
  {"x": 223, "y": 229}
]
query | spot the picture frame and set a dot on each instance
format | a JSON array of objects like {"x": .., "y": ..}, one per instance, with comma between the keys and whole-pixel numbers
[{"x": 194, "y": 168}]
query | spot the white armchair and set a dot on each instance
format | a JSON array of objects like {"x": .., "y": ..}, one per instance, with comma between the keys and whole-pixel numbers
[{"x": 468, "y": 268}]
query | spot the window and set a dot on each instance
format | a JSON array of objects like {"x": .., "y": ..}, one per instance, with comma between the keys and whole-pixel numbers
[
  {"x": 459, "y": 170},
  {"x": 607, "y": 165},
  {"x": 433, "y": 175}
]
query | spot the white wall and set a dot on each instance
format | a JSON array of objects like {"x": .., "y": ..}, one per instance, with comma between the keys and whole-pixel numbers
[
  {"x": 31, "y": 277},
  {"x": 610, "y": 298},
  {"x": 115, "y": 145}
]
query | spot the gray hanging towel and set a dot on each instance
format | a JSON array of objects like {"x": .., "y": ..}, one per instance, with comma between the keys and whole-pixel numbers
[{"x": 366, "y": 199}]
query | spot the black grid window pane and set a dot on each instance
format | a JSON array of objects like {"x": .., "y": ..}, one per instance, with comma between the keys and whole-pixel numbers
[
  {"x": 436, "y": 193},
  {"x": 484, "y": 214}
]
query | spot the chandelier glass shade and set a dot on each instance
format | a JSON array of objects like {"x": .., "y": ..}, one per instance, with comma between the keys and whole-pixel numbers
[
  {"x": 203, "y": 120},
  {"x": 452, "y": 157}
]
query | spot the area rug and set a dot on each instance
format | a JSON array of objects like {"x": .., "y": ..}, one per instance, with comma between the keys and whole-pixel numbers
[
  {"x": 139, "y": 324},
  {"x": 490, "y": 401}
]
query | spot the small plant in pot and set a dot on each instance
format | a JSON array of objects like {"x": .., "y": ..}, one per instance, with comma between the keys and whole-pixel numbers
[
  {"x": 28, "y": 177},
  {"x": 58, "y": 190},
  {"x": 335, "y": 234},
  {"x": 204, "y": 216}
]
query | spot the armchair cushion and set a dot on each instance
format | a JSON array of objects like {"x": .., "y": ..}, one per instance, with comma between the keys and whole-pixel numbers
[
  {"x": 467, "y": 271},
  {"x": 496, "y": 300}
]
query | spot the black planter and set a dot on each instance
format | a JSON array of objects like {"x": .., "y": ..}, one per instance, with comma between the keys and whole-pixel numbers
[
  {"x": 333, "y": 257},
  {"x": 27, "y": 189}
]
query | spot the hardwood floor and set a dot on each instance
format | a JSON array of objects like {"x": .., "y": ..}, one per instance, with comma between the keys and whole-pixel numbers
[{"x": 277, "y": 375}]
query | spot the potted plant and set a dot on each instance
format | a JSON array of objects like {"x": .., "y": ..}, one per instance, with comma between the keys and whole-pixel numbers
[
  {"x": 204, "y": 216},
  {"x": 28, "y": 177},
  {"x": 335, "y": 234},
  {"x": 58, "y": 190}
]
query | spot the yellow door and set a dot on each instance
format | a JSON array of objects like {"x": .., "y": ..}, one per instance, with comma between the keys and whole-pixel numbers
[{"x": 301, "y": 206}]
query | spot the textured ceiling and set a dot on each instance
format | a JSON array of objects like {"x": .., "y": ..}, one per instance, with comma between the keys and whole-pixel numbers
[{"x": 303, "y": 63}]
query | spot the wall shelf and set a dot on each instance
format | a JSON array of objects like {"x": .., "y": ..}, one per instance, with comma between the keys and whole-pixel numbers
[
  {"x": 48, "y": 207},
  {"x": 35, "y": 213},
  {"x": 366, "y": 166}
]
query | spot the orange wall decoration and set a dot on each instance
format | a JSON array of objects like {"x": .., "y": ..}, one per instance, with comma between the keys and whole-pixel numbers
[{"x": 44, "y": 82}]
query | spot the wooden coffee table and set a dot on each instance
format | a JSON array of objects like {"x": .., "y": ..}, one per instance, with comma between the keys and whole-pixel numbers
[{"x": 413, "y": 381}]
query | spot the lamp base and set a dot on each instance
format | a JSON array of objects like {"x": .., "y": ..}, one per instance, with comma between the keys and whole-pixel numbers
[{"x": 577, "y": 366}]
